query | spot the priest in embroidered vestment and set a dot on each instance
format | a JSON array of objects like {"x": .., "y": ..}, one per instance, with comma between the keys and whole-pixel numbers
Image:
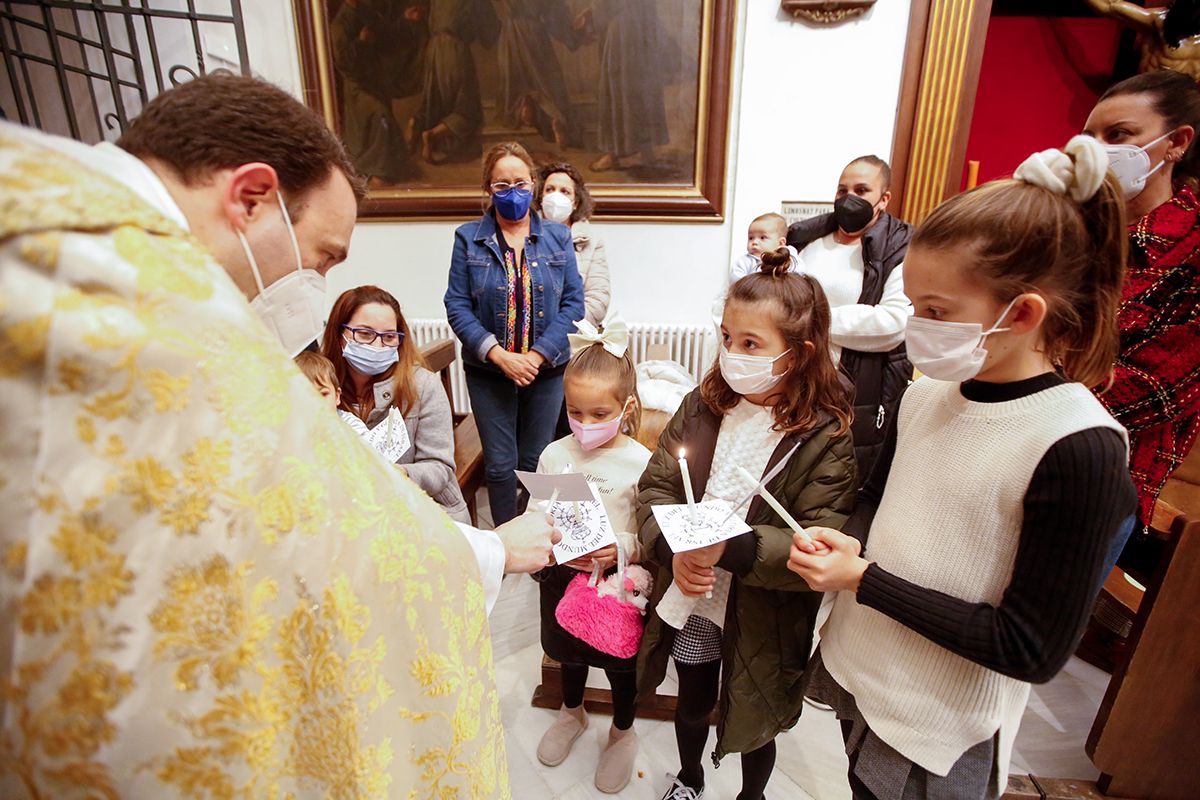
[{"x": 211, "y": 587}]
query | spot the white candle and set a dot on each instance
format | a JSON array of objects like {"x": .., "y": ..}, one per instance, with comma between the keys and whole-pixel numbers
[
  {"x": 687, "y": 486},
  {"x": 775, "y": 504}
]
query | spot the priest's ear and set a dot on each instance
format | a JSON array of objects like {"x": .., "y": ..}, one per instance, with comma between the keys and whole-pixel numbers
[{"x": 250, "y": 192}]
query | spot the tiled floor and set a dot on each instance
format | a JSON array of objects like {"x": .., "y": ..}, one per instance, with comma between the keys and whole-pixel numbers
[{"x": 811, "y": 762}]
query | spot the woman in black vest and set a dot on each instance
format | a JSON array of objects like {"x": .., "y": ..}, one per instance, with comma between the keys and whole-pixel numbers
[{"x": 856, "y": 253}]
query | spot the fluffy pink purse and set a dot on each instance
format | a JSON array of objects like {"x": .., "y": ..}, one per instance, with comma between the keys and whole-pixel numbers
[{"x": 608, "y": 614}]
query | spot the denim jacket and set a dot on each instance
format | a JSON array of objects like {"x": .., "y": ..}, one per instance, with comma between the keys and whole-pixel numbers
[{"x": 477, "y": 295}]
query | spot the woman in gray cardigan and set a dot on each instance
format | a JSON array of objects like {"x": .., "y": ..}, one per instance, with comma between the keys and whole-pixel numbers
[
  {"x": 380, "y": 369},
  {"x": 563, "y": 197}
]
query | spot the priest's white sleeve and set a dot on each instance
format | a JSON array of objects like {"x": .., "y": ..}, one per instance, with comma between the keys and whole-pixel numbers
[{"x": 489, "y": 552}]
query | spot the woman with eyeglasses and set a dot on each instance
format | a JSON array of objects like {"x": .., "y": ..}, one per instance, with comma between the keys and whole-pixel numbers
[
  {"x": 382, "y": 375},
  {"x": 514, "y": 293}
]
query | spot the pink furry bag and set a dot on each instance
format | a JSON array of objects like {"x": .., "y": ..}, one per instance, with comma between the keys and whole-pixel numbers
[{"x": 609, "y": 613}]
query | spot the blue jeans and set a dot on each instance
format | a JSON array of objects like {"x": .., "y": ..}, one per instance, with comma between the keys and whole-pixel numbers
[
  {"x": 1124, "y": 531},
  {"x": 515, "y": 425}
]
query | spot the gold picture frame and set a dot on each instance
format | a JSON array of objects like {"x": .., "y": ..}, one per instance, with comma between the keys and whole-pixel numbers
[{"x": 681, "y": 180}]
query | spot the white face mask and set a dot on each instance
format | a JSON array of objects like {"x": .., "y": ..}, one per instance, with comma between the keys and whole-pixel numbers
[
  {"x": 293, "y": 306},
  {"x": 949, "y": 351},
  {"x": 557, "y": 206},
  {"x": 1131, "y": 165},
  {"x": 749, "y": 374}
]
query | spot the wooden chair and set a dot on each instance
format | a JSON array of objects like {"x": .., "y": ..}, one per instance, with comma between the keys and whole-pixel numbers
[
  {"x": 1144, "y": 738},
  {"x": 468, "y": 450}
]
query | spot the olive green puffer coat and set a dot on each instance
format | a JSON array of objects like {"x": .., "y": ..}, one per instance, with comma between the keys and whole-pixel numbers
[{"x": 769, "y": 620}]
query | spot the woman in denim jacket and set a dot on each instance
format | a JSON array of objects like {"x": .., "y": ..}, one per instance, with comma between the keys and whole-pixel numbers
[{"x": 514, "y": 293}]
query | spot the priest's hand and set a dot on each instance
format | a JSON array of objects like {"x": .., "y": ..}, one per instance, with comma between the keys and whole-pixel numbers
[{"x": 528, "y": 542}]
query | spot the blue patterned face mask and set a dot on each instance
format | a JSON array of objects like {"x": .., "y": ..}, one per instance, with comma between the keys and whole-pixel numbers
[
  {"x": 512, "y": 203},
  {"x": 369, "y": 360}
]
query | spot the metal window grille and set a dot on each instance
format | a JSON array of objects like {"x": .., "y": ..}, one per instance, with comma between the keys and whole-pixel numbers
[{"x": 84, "y": 68}]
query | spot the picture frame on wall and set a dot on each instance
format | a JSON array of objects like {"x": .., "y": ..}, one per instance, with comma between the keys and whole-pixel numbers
[
  {"x": 634, "y": 94},
  {"x": 794, "y": 211}
]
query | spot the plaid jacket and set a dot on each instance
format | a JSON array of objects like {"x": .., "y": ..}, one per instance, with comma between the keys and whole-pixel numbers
[{"x": 1156, "y": 390}]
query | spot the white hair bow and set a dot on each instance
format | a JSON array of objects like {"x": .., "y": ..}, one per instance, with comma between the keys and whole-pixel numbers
[
  {"x": 614, "y": 338},
  {"x": 1078, "y": 169}
]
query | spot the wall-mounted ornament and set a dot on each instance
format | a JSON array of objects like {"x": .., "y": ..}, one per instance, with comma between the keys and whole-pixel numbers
[{"x": 826, "y": 12}]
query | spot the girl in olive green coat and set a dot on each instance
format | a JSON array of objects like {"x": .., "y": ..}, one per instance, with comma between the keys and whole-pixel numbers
[{"x": 737, "y": 622}]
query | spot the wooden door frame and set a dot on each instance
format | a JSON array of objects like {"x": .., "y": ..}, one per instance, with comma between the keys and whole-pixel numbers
[{"x": 937, "y": 98}]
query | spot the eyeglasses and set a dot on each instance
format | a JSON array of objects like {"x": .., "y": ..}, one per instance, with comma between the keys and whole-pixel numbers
[
  {"x": 369, "y": 335},
  {"x": 504, "y": 186}
]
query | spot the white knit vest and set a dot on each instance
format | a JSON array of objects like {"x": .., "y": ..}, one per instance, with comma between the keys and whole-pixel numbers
[{"x": 949, "y": 520}]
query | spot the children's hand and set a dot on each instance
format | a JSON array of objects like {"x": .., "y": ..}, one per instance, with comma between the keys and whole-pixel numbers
[
  {"x": 807, "y": 544},
  {"x": 707, "y": 556},
  {"x": 830, "y": 563},
  {"x": 694, "y": 579},
  {"x": 605, "y": 556}
]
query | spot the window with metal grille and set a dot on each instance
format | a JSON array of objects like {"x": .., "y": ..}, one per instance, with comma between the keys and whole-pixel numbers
[{"x": 84, "y": 68}]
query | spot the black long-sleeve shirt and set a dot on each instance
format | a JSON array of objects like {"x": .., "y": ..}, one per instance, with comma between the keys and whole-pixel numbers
[{"x": 1079, "y": 495}]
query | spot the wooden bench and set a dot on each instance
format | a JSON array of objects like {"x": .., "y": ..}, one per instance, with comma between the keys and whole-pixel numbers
[
  {"x": 1143, "y": 740},
  {"x": 468, "y": 449}
]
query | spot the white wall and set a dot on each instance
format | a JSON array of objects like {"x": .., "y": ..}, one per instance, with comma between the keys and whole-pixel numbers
[{"x": 806, "y": 100}]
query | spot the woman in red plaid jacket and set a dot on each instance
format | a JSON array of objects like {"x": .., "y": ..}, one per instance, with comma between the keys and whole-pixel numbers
[{"x": 1149, "y": 124}]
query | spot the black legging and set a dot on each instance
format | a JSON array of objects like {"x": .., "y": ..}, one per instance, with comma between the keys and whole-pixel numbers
[
  {"x": 624, "y": 692},
  {"x": 698, "y": 687}
]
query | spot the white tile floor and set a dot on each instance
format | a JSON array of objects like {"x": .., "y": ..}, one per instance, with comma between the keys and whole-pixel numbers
[{"x": 811, "y": 762}]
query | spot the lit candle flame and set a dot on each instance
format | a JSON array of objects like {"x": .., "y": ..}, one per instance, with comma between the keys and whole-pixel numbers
[{"x": 681, "y": 453}]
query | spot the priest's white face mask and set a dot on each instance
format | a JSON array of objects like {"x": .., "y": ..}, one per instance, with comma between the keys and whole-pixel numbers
[{"x": 292, "y": 306}]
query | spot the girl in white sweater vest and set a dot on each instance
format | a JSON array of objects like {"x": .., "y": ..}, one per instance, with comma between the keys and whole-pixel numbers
[{"x": 969, "y": 568}]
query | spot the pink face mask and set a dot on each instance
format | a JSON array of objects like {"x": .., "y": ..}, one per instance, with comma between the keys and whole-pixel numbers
[{"x": 594, "y": 434}]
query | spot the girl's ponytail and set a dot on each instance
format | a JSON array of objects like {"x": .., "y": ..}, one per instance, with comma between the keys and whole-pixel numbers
[
  {"x": 1090, "y": 357},
  {"x": 777, "y": 262},
  {"x": 1057, "y": 228}
]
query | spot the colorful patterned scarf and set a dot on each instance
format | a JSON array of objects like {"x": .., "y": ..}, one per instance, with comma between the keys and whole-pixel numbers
[{"x": 514, "y": 273}]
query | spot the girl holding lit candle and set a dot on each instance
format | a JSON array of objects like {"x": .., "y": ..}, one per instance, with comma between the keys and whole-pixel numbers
[{"x": 773, "y": 394}]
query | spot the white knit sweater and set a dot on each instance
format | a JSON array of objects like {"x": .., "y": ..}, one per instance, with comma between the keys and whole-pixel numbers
[
  {"x": 747, "y": 440},
  {"x": 949, "y": 520}
]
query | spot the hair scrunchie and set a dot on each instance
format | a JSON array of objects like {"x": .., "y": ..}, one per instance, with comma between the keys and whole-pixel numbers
[{"x": 1077, "y": 170}]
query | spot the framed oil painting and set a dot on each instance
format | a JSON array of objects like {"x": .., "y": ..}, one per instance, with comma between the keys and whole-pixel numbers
[{"x": 634, "y": 93}]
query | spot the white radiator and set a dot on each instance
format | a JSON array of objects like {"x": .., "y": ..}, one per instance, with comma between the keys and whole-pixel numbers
[{"x": 693, "y": 346}]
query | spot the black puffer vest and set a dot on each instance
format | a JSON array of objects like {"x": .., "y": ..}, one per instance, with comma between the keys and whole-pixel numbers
[{"x": 879, "y": 378}]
